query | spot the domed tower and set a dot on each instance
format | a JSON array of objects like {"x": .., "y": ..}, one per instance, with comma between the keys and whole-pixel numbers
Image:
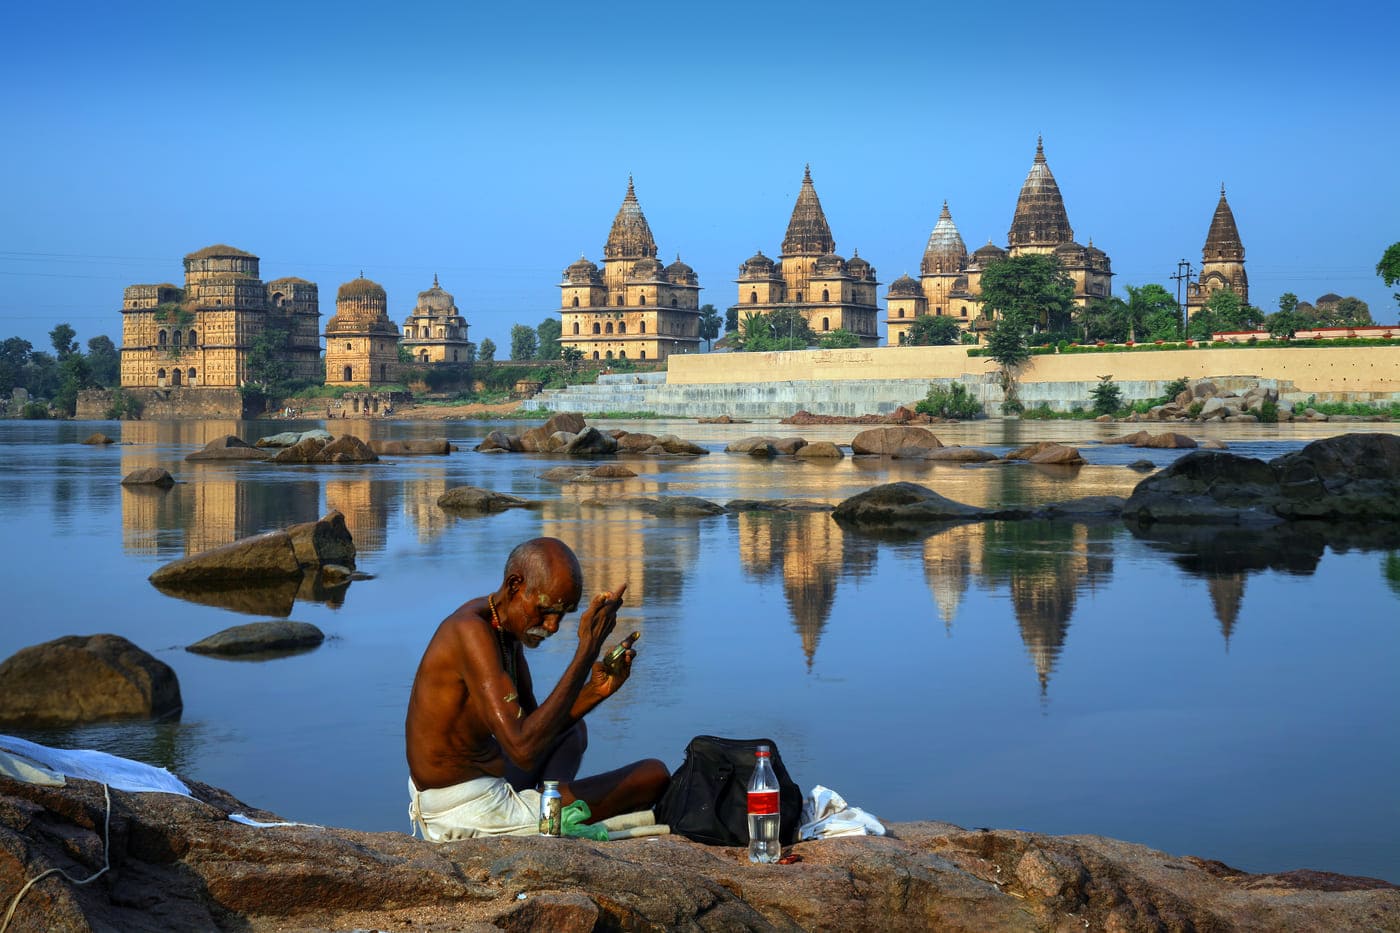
[
  {"x": 1222, "y": 259},
  {"x": 943, "y": 271},
  {"x": 362, "y": 344},
  {"x": 635, "y": 307},
  {"x": 294, "y": 306},
  {"x": 904, "y": 302},
  {"x": 1040, "y": 223},
  {"x": 434, "y": 331},
  {"x": 830, "y": 292}
]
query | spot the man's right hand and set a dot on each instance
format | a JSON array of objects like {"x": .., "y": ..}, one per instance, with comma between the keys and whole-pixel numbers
[{"x": 598, "y": 620}]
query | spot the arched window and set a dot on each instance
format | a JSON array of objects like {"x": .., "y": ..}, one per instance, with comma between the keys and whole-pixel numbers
[
  {"x": 644, "y": 354},
  {"x": 576, "y": 301},
  {"x": 901, "y": 312},
  {"x": 597, "y": 328},
  {"x": 191, "y": 374},
  {"x": 595, "y": 354},
  {"x": 278, "y": 299},
  {"x": 575, "y": 327},
  {"x": 160, "y": 376},
  {"x": 964, "y": 311},
  {"x": 938, "y": 312},
  {"x": 642, "y": 300},
  {"x": 753, "y": 298},
  {"x": 643, "y": 325},
  {"x": 454, "y": 356},
  {"x": 621, "y": 300},
  {"x": 799, "y": 296},
  {"x": 174, "y": 377},
  {"x": 622, "y": 354},
  {"x": 826, "y": 323},
  {"x": 609, "y": 354},
  {"x": 622, "y": 327},
  {"x": 423, "y": 356},
  {"x": 383, "y": 373},
  {"x": 349, "y": 345},
  {"x": 826, "y": 295},
  {"x": 191, "y": 341},
  {"x": 346, "y": 375},
  {"x": 674, "y": 304},
  {"x": 608, "y": 328},
  {"x": 161, "y": 338},
  {"x": 175, "y": 338}
]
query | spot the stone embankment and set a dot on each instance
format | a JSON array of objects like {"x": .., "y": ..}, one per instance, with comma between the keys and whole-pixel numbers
[{"x": 179, "y": 863}]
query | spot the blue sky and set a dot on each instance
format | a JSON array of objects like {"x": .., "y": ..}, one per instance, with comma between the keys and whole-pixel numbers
[{"x": 492, "y": 145}]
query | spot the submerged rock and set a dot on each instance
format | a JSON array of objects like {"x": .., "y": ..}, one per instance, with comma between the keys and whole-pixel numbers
[
  {"x": 98, "y": 439},
  {"x": 259, "y": 637},
  {"x": 288, "y": 438},
  {"x": 476, "y": 499},
  {"x": 777, "y": 505},
  {"x": 902, "y": 506},
  {"x": 961, "y": 455},
  {"x": 410, "y": 448},
  {"x": 228, "y": 447},
  {"x": 671, "y": 506},
  {"x": 149, "y": 476},
  {"x": 185, "y": 866},
  {"x": 85, "y": 678}
]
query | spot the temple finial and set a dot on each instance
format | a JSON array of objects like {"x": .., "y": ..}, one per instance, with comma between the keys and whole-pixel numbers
[
  {"x": 1222, "y": 189},
  {"x": 435, "y": 284},
  {"x": 807, "y": 172}
]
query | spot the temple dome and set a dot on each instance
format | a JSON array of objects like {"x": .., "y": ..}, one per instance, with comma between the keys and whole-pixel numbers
[
  {"x": 945, "y": 252},
  {"x": 679, "y": 273},
  {"x": 757, "y": 265},
  {"x": 904, "y": 287},
  {"x": 630, "y": 237},
  {"x": 808, "y": 233},
  {"x": 831, "y": 264},
  {"x": 582, "y": 272},
  {"x": 989, "y": 253},
  {"x": 858, "y": 268},
  {"x": 361, "y": 288},
  {"x": 1223, "y": 240},
  {"x": 647, "y": 270},
  {"x": 1040, "y": 218},
  {"x": 436, "y": 299},
  {"x": 220, "y": 251}
]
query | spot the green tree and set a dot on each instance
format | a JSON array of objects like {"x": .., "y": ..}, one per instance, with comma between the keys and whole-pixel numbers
[
  {"x": 268, "y": 368},
  {"x": 1007, "y": 345},
  {"x": 571, "y": 356},
  {"x": 1282, "y": 325},
  {"x": 838, "y": 339},
  {"x": 548, "y": 333},
  {"x": 933, "y": 330},
  {"x": 731, "y": 320},
  {"x": 1288, "y": 303},
  {"x": 1152, "y": 313},
  {"x": 104, "y": 363},
  {"x": 523, "y": 342},
  {"x": 1103, "y": 319},
  {"x": 73, "y": 377},
  {"x": 1032, "y": 289},
  {"x": 62, "y": 339},
  {"x": 1389, "y": 268},
  {"x": 709, "y": 323},
  {"x": 40, "y": 374},
  {"x": 1351, "y": 312},
  {"x": 14, "y": 358},
  {"x": 951, "y": 401},
  {"x": 790, "y": 328},
  {"x": 486, "y": 353},
  {"x": 1107, "y": 397},
  {"x": 1223, "y": 311}
]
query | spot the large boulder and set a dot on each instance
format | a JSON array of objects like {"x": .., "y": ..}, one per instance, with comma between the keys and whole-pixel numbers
[
  {"x": 1058, "y": 454},
  {"x": 675, "y": 445},
  {"x": 532, "y": 440},
  {"x": 283, "y": 554},
  {"x": 98, "y": 439},
  {"x": 1166, "y": 441},
  {"x": 149, "y": 476},
  {"x": 85, "y": 678},
  {"x": 410, "y": 448},
  {"x": 305, "y": 450},
  {"x": 284, "y": 439},
  {"x": 667, "y": 506},
  {"x": 591, "y": 442},
  {"x": 635, "y": 442},
  {"x": 228, "y": 447},
  {"x": 902, "y": 506},
  {"x": 747, "y": 445},
  {"x": 820, "y": 450},
  {"x": 1033, "y": 450},
  {"x": 498, "y": 442},
  {"x": 476, "y": 499},
  {"x": 1352, "y": 477},
  {"x": 346, "y": 449},
  {"x": 885, "y": 441},
  {"x": 260, "y": 637},
  {"x": 788, "y": 445}
]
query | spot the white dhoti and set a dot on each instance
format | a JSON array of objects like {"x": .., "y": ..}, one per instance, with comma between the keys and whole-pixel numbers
[{"x": 485, "y": 806}]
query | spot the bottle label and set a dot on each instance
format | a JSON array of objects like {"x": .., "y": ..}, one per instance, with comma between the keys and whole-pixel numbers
[{"x": 763, "y": 802}]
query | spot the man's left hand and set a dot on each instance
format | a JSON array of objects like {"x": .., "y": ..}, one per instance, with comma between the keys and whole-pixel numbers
[{"x": 605, "y": 684}]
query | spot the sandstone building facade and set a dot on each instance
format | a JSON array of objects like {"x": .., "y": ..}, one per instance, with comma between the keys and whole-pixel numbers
[
  {"x": 1222, "y": 260},
  {"x": 634, "y": 308},
  {"x": 829, "y": 291},
  {"x": 434, "y": 331},
  {"x": 202, "y": 335},
  {"x": 362, "y": 344},
  {"x": 950, "y": 279}
]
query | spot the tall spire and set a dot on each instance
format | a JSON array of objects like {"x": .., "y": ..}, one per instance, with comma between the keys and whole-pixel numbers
[
  {"x": 808, "y": 233},
  {"x": 630, "y": 237},
  {"x": 1040, "y": 218},
  {"x": 1223, "y": 240},
  {"x": 946, "y": 251}
]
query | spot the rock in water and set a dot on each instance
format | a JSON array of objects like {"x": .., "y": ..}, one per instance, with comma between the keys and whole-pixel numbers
[
  {"x": 1206, "y": 486},
  {"x": 591, "y": 441},
  {"x": 275, "y": 555},
  {"x": 902, "y": 506},
  {"x": 258, "y": 637},
  {"x": 820, "y": 450},
  {"x": 476, "y": 499},
  {"x": 98, "y": 439},
  {"x": 885, "y": 441},
  {"x": 228, "y": 447},
  {"x": 410, "y": 448},
  {"x": 1348, "y": 477},
  {"x": 346, "y": 449},
  {"x": 149, "y": 476},
  {"x": 85, "y": 678}
]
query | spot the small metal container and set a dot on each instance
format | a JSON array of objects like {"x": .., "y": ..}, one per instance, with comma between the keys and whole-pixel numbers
[{"x": 551, "y": 808}]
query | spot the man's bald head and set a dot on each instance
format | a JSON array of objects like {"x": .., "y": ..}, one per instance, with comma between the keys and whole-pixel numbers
[{"x": 547, "y": 566}]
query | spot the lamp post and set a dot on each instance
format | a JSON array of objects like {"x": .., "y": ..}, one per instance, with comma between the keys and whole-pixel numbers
[{"x": 1183, "y": 274}]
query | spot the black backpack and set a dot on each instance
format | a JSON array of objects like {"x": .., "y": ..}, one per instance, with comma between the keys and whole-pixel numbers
[{"x": 707, "y": 800}]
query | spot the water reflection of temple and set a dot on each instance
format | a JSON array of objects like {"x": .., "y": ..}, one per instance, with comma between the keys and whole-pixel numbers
[
  {"x": 1226, "y": 596},
  {"x": 812, "y": 555},
  {"x": 366, "y": 503},
  {"x": 420, "y": 496},
  {"x": 1043, "y": 566}
]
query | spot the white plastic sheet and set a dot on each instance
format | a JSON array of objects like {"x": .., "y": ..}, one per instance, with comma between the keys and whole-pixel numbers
[{"x": 826, "y": 814}]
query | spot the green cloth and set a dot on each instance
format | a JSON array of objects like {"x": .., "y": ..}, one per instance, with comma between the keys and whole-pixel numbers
[{"x": 572, "y": 820}]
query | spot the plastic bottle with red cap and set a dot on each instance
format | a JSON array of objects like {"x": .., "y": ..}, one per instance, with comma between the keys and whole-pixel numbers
[{"x": 764, "y": 820}]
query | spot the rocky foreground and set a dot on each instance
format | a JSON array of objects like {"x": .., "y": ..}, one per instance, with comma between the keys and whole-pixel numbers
[{"x": 180, "y": 864}]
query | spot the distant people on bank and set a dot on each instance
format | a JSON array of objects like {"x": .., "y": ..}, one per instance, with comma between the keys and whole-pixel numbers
[{"x": 478, "y": 742}]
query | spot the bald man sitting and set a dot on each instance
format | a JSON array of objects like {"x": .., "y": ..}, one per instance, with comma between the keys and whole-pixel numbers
[{"x": 478, "y": 743}]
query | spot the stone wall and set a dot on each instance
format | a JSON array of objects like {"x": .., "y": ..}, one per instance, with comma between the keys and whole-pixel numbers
[{"x": 167, "y": 404}]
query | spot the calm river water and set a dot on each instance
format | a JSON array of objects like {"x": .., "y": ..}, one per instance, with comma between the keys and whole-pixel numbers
[{"x": 1229, "y": 697}]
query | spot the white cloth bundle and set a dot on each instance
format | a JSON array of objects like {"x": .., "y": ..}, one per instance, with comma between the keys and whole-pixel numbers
[
  {"x": 121, "y": 773},
  {"x": 825, "y": 814}
]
